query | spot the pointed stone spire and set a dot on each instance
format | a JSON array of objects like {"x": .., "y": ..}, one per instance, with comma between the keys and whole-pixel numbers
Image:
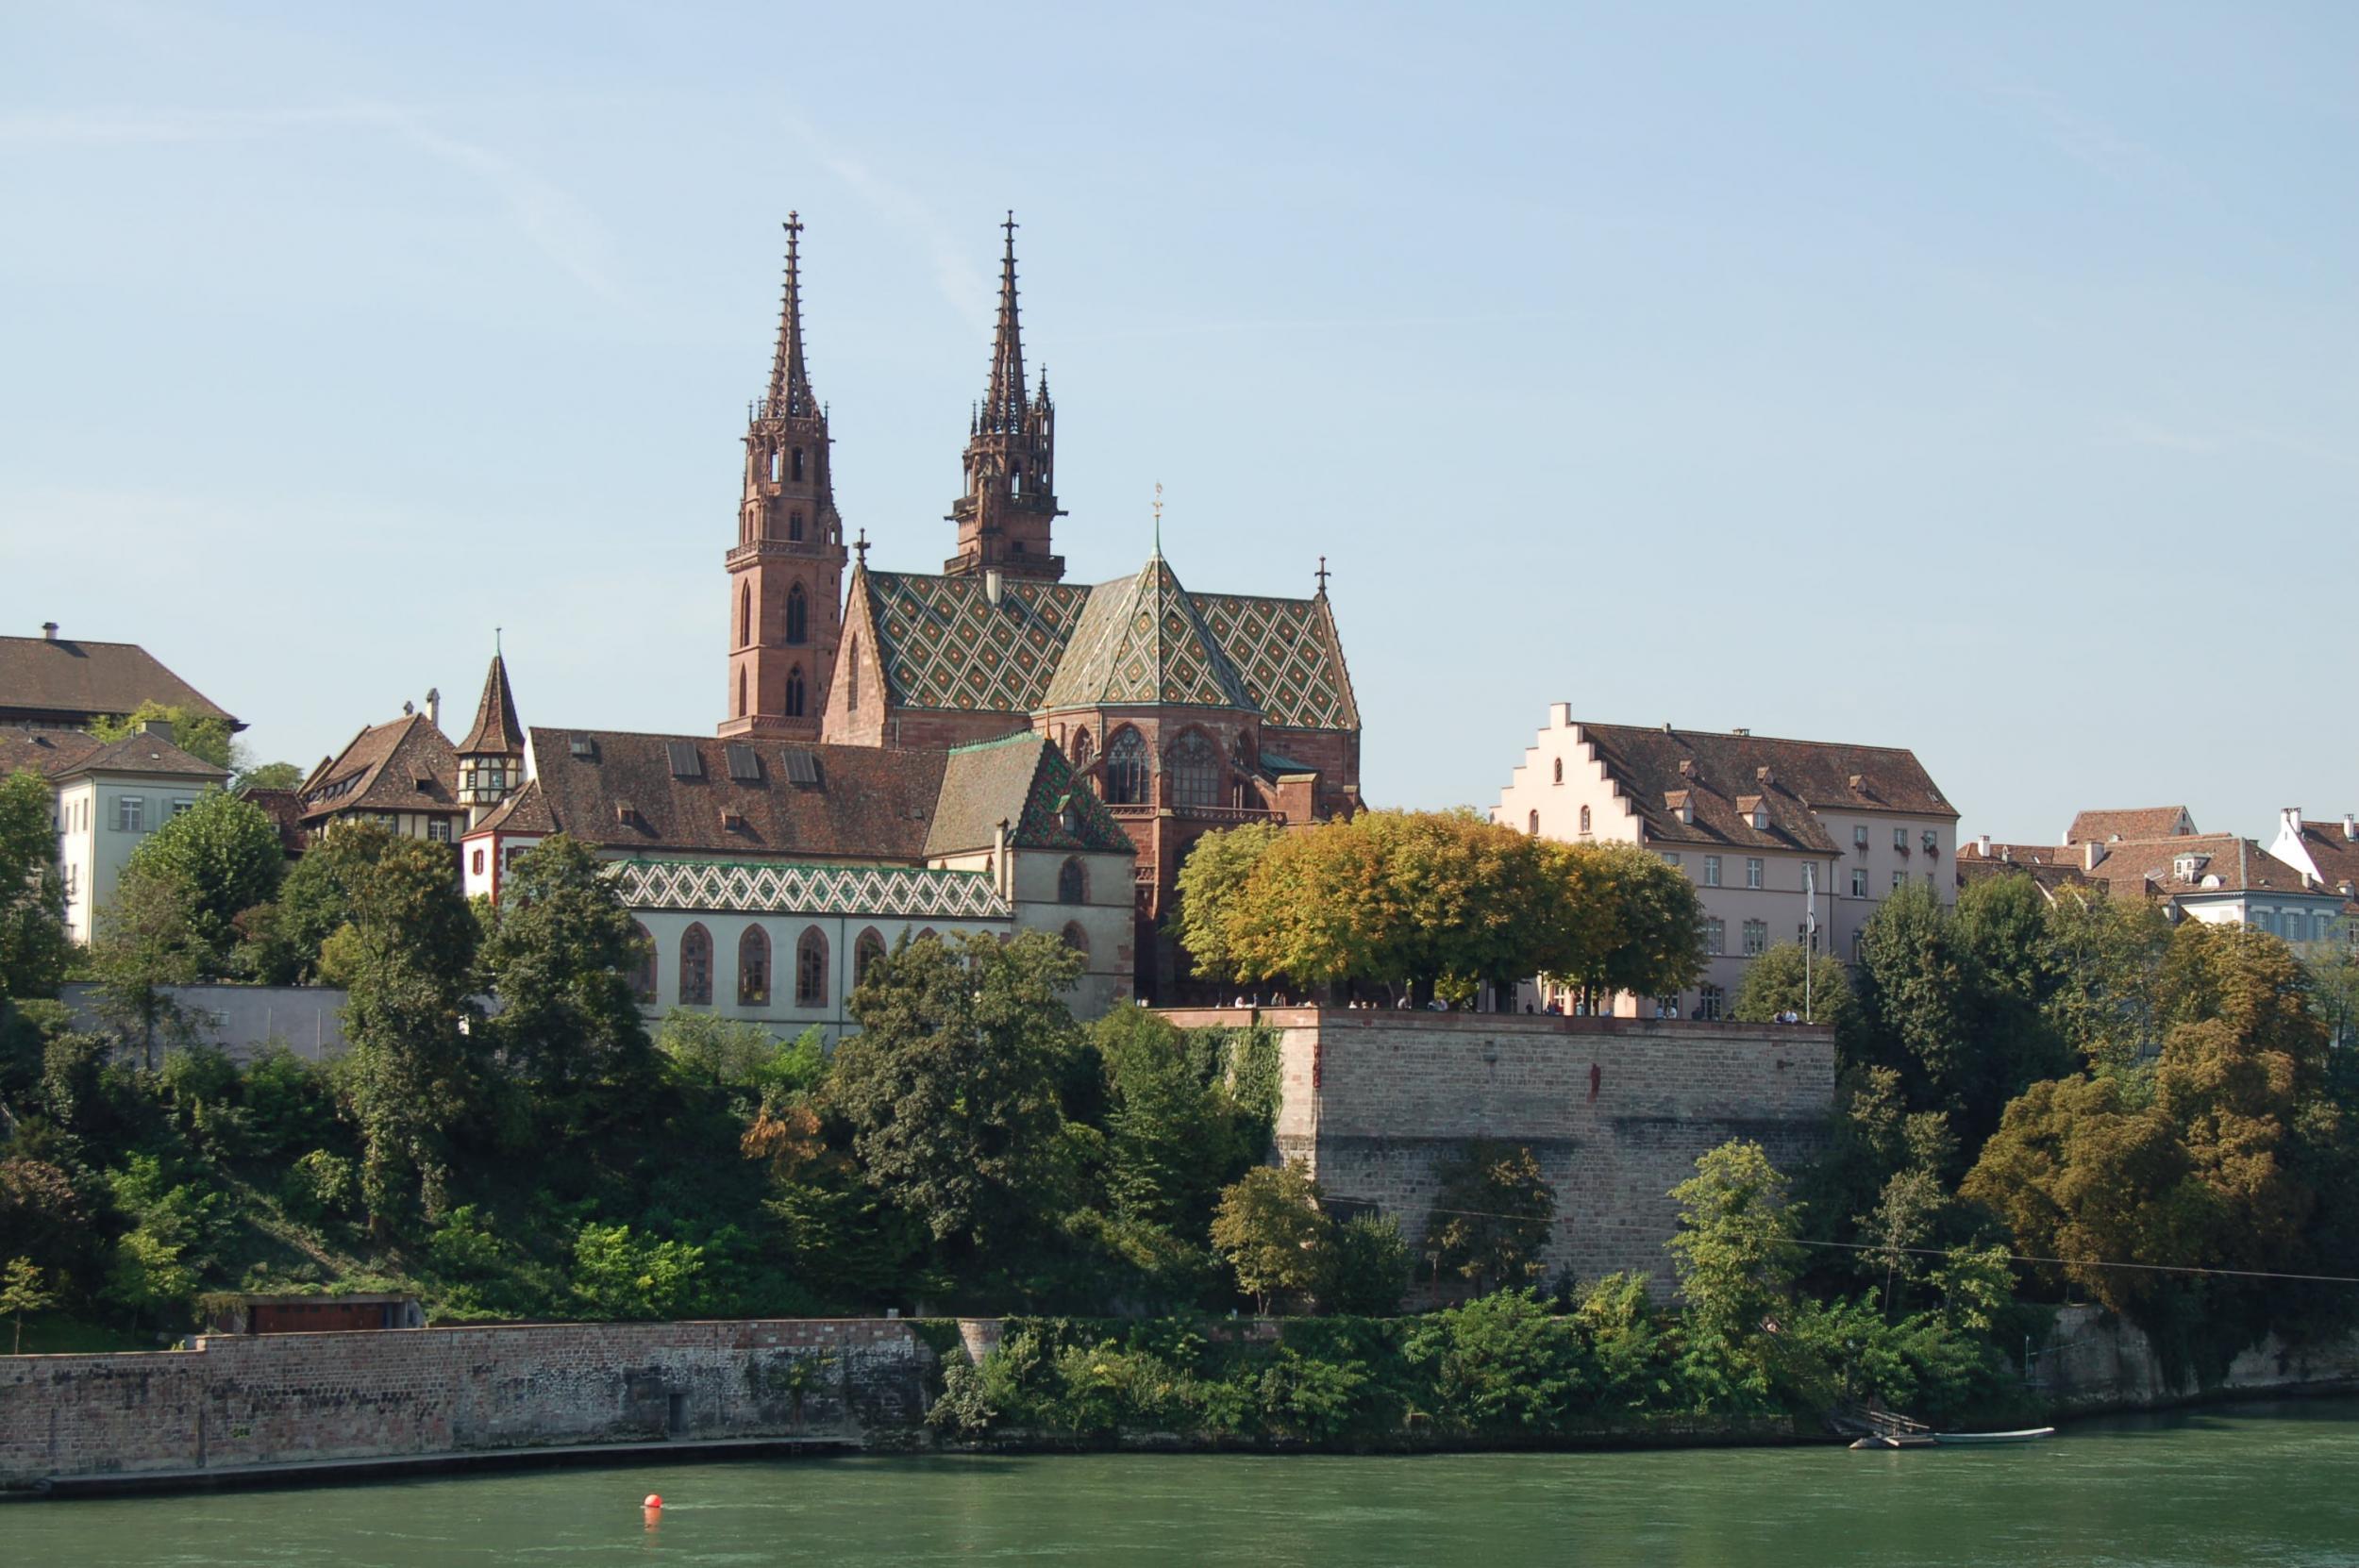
[
  {"x": 1003, "y": 405},
  {"x": 498, "y": 731},
  {"x": 790, "y": 382}
]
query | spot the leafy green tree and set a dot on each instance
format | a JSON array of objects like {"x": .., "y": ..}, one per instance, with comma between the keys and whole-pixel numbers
[
  {"x": 2335, "y": 985},
  {"x": 1775, "y": 985},
  {"x": 1652, "y": 943},
  {"x": 147, "y": 944},
  {"x": 617, "y": 1275},
  {"x": 41, "y": 1216},
  {"x": 559, "y": 956},
  {"x": 22, "y": 1291},
  {"x": 1175, "y": 1134},
  {"x": 1210, "y": 880},
  {"x": 412, "y": 1060},
  {"x": 1269, "y": 1229},
  {"x": 225, "y": 855},
  {"x": 1493, "y": 1213},
  {"x": 269, "y": 775},
  {"x": 201, "y": 735},
  {"x": 951, "y": 1088},
  {"x": 1736, "y": 1260},
  {"x": 2107, "y": 955},
  {"x": 1500, "y": 1363},
  {"x": 1364, "y": 1268},
  {"x": 34, "y": 952},
  {"x": 284, "y": 937}
]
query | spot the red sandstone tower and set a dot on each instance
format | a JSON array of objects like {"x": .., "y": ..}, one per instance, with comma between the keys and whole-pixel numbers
[
  {"x": 1008, "y": 509},
  {"x": 786, "y": 572}
]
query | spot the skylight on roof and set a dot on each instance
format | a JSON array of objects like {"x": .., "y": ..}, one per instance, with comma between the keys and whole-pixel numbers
[
  {"x": 744, "y": 766},
  {"x": 686, "y": 761},
  {"x": 584, "y": 745},
  {"x": 801, "y": 766}
]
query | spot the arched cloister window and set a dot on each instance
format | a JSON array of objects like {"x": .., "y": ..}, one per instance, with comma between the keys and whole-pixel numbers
[
  {"x": 810, "y": 969},
  {"x": 868, "y": 950},
  {"x": 794, "y": 692},
  {"x": 753, "y": 968},
  {"x": 798, "y": 615},
  {"x": 1195, "y": 772},
  {"x": 642, "y": 965},
  {"x": 1073, "y": 881},
  {"x": 1077, "y": 939},
  {"x": 1533, "y": 828},
  {"x": 1584, "y": 819},
  {"x": 741, "y": 690},
  {"x": 1080, "y": 749},
  {"x": 1130, "y": 770},
  {"x": 799, "y": 462},
  {"x": 696, "y": 967},
  {"x": 746, "y": 614},
  {"x": 929, "y": 934},
  {"x": 795, "y": 525}
]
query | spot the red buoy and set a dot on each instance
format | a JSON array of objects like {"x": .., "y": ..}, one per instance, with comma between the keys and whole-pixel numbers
[{"x": 655, "y": 1500}]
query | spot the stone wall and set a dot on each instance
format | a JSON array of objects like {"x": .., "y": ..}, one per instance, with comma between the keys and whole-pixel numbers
[
  {"x": 1617, "y": 1110},
  {"x": 2094, "y": 1361},
  {"x": 278, "y": 1398},
  {"x": 242, "y": 1020}
]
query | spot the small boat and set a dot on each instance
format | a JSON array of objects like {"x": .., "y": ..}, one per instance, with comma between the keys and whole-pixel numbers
[
  {"x": 1962, "y": 1440},
  {"x": 1895, "y": 1439}
]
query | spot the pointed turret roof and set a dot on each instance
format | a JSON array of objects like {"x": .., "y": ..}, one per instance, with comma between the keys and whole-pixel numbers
[
  {"x": 1003, "y": 404},
  {"x": 1143, "y": 640},
  {"x": 790, "y": 382},
  {"x": 496, "y": 731}
]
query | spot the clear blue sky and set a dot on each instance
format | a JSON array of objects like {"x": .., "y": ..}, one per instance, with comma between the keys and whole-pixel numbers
[{"x": 1977, "y": 380}]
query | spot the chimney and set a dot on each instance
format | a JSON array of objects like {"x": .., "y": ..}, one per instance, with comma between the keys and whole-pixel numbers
[
  {"x": 1740, "y": 730},
  {"x": 49, "y": 631},
  {"x": 434, "y": 706},
  {"x": 161, "y": 729},
  {"x": 2289, "y": 821},
  {"x": 994, "y": 584},
  {"x": 1560, "y": 715},
  {"x": 2351, "y": 825},
  {"x": 1982, "y": 842},
  {"x": 2092, "y": 852},
  {"x": 999, "y": 859}
]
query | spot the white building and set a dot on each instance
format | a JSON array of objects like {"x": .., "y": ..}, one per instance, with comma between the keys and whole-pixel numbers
[
  {"x": 107, "y": 796},
  {"x": 1771, "y": 831}
]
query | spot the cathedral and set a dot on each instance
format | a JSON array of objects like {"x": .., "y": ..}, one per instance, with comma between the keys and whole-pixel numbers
[{"x": 1181, "y": 711}]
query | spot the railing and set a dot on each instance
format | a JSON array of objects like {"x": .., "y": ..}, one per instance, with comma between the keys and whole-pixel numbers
[{"x": 776, "y": 547}]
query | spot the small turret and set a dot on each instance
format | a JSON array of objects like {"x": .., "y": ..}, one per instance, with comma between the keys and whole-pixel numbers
[{"x": 492, "y": 755}]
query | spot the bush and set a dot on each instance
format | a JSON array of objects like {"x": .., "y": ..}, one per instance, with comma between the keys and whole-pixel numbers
[
  {"x": 320, "y": 1186},
  {"x": 1363, "y": 1270}
]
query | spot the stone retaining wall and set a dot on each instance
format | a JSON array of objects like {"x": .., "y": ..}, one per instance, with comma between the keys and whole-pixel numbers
[
  {"x": 235, "y": 1402},
  {"x": 2095, "y": 1362}
]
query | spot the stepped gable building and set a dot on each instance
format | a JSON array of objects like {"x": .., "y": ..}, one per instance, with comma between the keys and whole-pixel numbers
[
  {"x": 766, "y": 875},
  {"x": 62, "y": 683},
  {"x": 1183, "y": 711},
  {"x": 1785, "y": 840}
]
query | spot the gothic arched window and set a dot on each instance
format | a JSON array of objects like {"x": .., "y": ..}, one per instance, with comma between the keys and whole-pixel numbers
[
  {"x": 794, "y": 692},
  {"x": 810, "y": 969},
  {"x": 1559, "y": 770},
  {"x": 798, "y": 615},
  {"x": 1130, "y": 770},
  {"x": 753, "y": 968},
  {"x": 868, "y": 950},
  {"x": 643, "y": 965},
  {"x": 1077, "y": 939},
  {"x": 696, "y": 967},
  {"x": 746, "y": 614},
  {"x": 1584, "y": 819},
  {"x": 741, "y": 690},
  {"x": 1081, "y": 750},
  {"x": 1534, "y": 829},
  {"x": 795, "y": 525},
  {"x": 1195, "y": 772},
  {"x": 799, "y": 462},
  {"x": 1073, "y": 881}
]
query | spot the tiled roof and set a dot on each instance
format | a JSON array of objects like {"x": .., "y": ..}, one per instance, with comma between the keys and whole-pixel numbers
[
  {"x": 1794, "y": 779},
  {"x": 2225, "y": 865},
  {"x": 1142, "y": 641},
  {"x": 2046, "y": 864},
  {"x": 496, "y": 731},
  {"x": 942, "y": 644},
  {"x": 403, "y": 766},
  {"x": 75, "y": 680},
  {"x": 524, "y": 811},
  {"x": 2135, "y": 824},
  {"x": 2335, "y": 856},
  {"x": 622, "y": 789},
  {"x": 1025, "y": 782},
  {"x": 285, "y": 808},
  {"x": 67, "y": 752}
]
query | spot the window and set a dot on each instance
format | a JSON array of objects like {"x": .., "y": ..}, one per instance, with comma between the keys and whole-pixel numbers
[
  {"x": 696, "y": 967},
  {"x": 852, "y": 674},
  {"x": 1559, "y": 770},
  {"x": 1531, "y": 826},
  {"x": 437, "y": 830},
  {"x": 1708, "y": 1002},
  {"x": 741, "y": 690},
  {"x": 794, "y": 692},
  {"x": 1900, "y": 880},
  {"x": 1752, "y": 870},
  {"x": 1584, "y": 819},
  {"x": 746, "y": 614},
  {"x": 1670, "y": 857},
  {"x": 868, "y": 950},
  {"x": 71, "y": 882},
  {"x": 641, "y": 970},
  {"x": 1900, "y": 839},
  {"x": 1930, "y": 842},
  {"x": 1858, "y": 881},
  {"x": 1859, "y": 836},
  {"x": 1756, "y": 938},
  {"x": 810, "y": 970},
  {"x": 1715, "y": 934},
  {"x": 1082, "y": 752},
  {"x": 798, "y": 463},
  {"x": 1195, "y": 772},
  {"x": 182, "y": 805},
  {"x": 753, "y": 968},
  {"x": 130, "y": 813},
  {"x": 1930, "y": 885},
  {"x": 1077, "y": 939},
  {"x": 1073, "y": 881},
  {"x": 1668, "y": 1007},
  {"x": 794, "y": 526},
  {"x": 474, "y": 863},
  {"x": 774, "y": 466},
  {"x": 1129, "y": 773},
  {"x": 797, "y": 616},
  {"x": 1712, "y": 871}
]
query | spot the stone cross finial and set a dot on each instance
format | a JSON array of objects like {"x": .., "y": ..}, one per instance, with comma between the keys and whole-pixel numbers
[
  {"x": 860, "y": 547},
  {"x": 1322, "y": 574}
]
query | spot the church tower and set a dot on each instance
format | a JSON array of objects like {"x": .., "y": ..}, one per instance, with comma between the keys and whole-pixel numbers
[
  {"x": 492, "y": 755},
  {"x": 1008, "y": 511},
  {"x": 786, "y": 572}
]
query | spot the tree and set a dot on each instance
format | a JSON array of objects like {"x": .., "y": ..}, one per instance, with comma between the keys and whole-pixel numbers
[
  {"x": 269, "y": 775},
  {"x": 2334, "y": 984},
  {"x": 2106, "y": 954},
  {"x": 1653, "y": 939},
  {"x": 951, "y": 1086},
  {"x": 1736, "y": 1260},
  {"x": 408, "y": 1073},
  {"x": 284, "y": 939},
  {"x": 226, "y": 856},
  {"x": 1210, "y": 880},
  {"x": 559, "y": 955},
  {"x": 147, "y": 944},
  {"x": 1774, "y": 985},
  {"x": 1269, "y": 1229},
  {"x": 1174, "y": 1136},
  {"x": 1493, "y": 1213},
  {"x": 1363, "y": 1267},
  {"x": 617, "y": 1275},
  {"x": 22, "y": 1292},
  {"x": 205, "y": 736},
  {"x": 34, "y": 951}
]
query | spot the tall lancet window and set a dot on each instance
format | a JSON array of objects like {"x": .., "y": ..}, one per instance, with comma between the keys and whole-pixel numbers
[
  {"x": 794, "y": 692},
  {"x": 1129, "y": 771},
  {"x": 797, "y": 616}
]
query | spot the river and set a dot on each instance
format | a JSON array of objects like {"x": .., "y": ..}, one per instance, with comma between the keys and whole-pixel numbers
[{"x": 2276, "y": 1484}]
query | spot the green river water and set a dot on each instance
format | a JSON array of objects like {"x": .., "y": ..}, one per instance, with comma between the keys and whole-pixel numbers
[{"x": 2275, "y": 1484}]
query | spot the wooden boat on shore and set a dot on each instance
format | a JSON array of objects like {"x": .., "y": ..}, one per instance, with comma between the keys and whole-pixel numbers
[{"x": 1969, "y": 1440}]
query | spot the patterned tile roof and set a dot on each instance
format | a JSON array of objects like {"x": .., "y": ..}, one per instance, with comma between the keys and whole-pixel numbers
[
  {"x": 942, "y": 644},
  {"x": 775, "y": 887},
  {"x": 1026, "y": 782}
]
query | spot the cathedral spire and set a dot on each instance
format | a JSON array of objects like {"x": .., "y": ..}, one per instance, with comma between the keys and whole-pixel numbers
[
  {"x": 1003, "y": 406},
  {"x": 790, "y": 382}
]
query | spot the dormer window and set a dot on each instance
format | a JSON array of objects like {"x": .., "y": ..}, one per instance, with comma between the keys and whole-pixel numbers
[{"x": 2187, "y": 868}]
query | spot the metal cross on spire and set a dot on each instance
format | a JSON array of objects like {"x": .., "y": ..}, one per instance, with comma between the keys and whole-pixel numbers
[
  {"x": 860, "y": 547},
  {"x": 1322, "y": 574}
]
